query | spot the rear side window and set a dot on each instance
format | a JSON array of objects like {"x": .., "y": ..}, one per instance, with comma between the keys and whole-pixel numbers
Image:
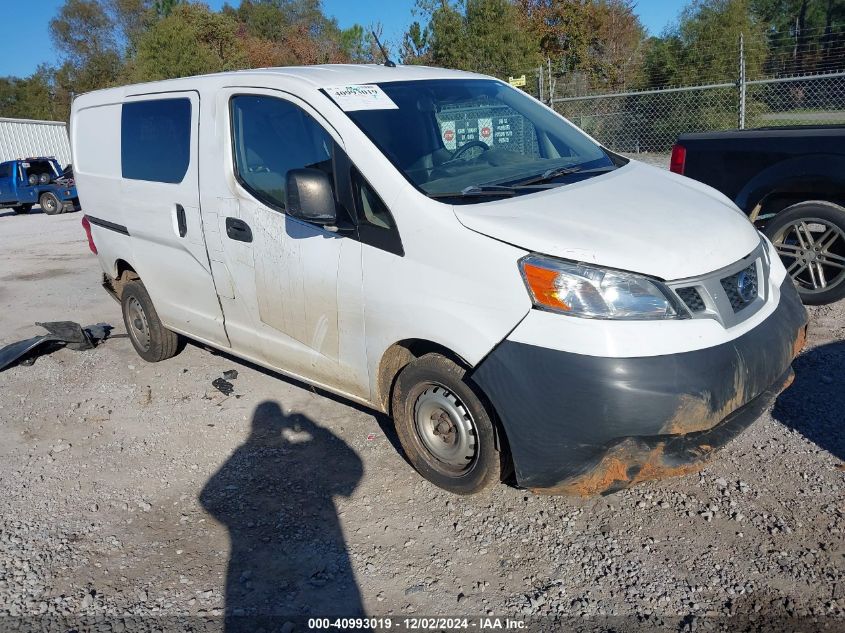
[
  {"x": 270, "y": 137},
  {"x": 155, "y": 140}
]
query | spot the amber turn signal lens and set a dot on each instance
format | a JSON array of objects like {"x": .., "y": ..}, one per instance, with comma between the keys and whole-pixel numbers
[{"x": 541, "y": 281}]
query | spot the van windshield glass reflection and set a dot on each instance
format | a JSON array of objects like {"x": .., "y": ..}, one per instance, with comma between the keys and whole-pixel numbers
[{"x": 451, "y": 135}]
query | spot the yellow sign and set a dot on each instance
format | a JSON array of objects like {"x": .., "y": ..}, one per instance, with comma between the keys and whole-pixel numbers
[{"x": 517, "y": 82}]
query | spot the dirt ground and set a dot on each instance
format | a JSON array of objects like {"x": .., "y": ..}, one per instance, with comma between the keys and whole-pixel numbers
[{"x": 139, "y": 490}]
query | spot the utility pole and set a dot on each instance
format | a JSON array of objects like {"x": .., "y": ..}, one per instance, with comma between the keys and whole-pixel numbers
[
  {"x": 741, "y": 83},
  {"x": 540, "y": 83}
]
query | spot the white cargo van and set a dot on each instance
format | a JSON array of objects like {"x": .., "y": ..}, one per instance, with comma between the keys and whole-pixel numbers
[{"x": 440, "y": 246}]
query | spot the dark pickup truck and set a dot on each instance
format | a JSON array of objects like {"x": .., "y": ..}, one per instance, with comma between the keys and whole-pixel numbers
[{"x": 791, "y": 183}]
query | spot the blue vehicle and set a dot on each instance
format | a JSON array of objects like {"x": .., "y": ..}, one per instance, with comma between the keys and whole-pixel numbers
[{"x": 30, "y": 181}]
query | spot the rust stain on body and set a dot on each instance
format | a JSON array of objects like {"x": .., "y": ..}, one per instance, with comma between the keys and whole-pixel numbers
[
  {"x": 700, "y": 413},
  {"x": 625, "y": 465},
  {"x": 800, "y": 341},
  {"x": 633, "y": 460}
]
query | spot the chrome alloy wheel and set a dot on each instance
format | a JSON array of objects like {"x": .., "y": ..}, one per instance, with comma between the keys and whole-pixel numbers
[
  {"x": 445, "y": 428},
  {"x": 813, "y": 252},
  {"x": 139, "y": 328}
]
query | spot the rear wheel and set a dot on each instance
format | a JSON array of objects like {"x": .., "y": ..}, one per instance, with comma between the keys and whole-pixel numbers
[
  {"x": 445, "y": 427},
  {"x": 50, "y": 203},
  {"x": 149, "y": 337},
  {"x": 810, "y": 239}
]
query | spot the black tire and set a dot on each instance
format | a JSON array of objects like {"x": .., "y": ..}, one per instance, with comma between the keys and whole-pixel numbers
[
  {"x": 149, "y": 337},
  {"x": 22, "y": 208},
  {"x": 50, "y": 203},
  {"x": 420, "y": 387},
  {"x": 810, "y": 238}
]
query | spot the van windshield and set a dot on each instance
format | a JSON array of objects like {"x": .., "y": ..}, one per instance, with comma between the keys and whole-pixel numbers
[{"x": 476, "y": 138}]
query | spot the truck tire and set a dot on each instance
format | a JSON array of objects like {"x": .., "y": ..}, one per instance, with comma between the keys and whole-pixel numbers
[
  {"x": 810, "y": 239},
  {"x": 446, "y": 428},
  {"x": 50, "y": 203},
  {"x": 149, "y": 337},
  {"x": 22, "y": 208}
]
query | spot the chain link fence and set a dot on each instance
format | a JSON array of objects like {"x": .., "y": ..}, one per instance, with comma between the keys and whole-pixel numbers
[{"x": 651, "y": 120}]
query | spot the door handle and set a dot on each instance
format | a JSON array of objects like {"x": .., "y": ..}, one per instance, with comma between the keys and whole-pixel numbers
[
  {"x": 181, "y": 222},
  {"x": 238, "y": 230}
]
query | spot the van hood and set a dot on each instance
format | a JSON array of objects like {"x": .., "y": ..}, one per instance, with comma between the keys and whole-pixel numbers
[{"x": 637, "y": 218}]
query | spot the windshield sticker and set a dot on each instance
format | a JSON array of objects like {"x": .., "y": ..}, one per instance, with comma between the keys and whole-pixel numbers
[
  {"x": 447, "y": 130},
  {"x": 485, "y": 131},
  {"x": 360, "y": 97}
]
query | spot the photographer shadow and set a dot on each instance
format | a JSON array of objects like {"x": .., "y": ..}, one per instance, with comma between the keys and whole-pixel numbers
[
  {"x": 815, "y": 403},
  {"x": 275, "y": 495}
]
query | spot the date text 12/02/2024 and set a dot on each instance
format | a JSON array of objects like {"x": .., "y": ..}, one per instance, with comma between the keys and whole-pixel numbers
[{"x": 417, "y": 624}]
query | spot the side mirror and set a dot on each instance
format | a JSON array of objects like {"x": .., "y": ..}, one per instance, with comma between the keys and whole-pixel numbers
[{"x": 309, "y": 196}]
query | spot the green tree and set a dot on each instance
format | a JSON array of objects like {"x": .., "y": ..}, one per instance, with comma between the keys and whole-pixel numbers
[
  {"x": 91, "y": 37},
  {"x": 487, "y": 36},
  {"x": 415, "y": 48},
  {"x": 296, "y": 32},
  {"x": 597, "y": 40},
  {"x": 192, "y": 40},
  {"x": 29, "y": 98},
  {"x": 704, "y": 46},
  {"x": 164, "y": 8},
  {"x": 803, "y": 35}
]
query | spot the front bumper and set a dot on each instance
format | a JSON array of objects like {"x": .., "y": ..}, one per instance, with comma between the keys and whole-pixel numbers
[{"x": 590, "y": 424}]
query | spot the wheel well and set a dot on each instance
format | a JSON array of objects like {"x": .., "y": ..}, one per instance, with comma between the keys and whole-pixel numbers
[
  {"x": 400, "y": 354},
  {"x": 777, "y": 201},
  {"x": 125, "y": 273}
]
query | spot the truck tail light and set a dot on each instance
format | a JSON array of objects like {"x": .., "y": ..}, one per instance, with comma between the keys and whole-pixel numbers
[
  {"x": 87, "y": 226},
  {"x": 679, "y": 159}
]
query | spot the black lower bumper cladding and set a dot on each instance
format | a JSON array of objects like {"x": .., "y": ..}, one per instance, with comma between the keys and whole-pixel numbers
[{"x": 585, "y": 424}]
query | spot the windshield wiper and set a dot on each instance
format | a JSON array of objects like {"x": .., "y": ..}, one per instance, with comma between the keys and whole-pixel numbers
[
  {"x": 557, "y": 172},
  {"x": 476, "y": 191}
]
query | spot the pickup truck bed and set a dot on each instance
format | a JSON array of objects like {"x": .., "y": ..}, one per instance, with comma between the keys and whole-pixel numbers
[{"x": 790, "y": 182}]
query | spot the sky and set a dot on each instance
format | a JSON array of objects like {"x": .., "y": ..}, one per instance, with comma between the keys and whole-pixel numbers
[{"x": 26, "y": 29}]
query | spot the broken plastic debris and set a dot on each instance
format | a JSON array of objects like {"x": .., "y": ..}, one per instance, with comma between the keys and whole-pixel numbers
[
  {"x": 230, "y": 374},
  {"x": 61, "y": 333},
  {"x": 223, "y": 386},
  {"x": 371, "y": 437}
]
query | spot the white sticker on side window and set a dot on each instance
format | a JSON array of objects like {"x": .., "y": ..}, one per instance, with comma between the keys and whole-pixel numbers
[{"x": 360, "y": 97}]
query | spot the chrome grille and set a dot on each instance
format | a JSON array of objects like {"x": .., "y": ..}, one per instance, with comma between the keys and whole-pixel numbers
[
  {"x": 729, "y": 295},
  {"x": 741, "y": 287},
  {"x": 692, "y": 298}
]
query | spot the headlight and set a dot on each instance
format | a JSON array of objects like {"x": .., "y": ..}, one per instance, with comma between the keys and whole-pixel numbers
[{"x": 597, "y": 293}]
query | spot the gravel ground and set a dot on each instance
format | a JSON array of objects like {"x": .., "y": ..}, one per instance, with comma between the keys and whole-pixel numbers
[{"x": 139, "y": 490}]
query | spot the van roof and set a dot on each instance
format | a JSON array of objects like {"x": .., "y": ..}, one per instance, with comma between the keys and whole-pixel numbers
[
  {"x": 316, "y": 77},
  {"x": 333, "y": 74}
]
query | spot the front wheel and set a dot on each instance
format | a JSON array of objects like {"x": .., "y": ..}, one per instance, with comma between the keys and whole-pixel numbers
[
  {"x": 149, "y": 337},
  {"x": 810, "y": 239},
  {"x": 22, "y": 208},
  {"x": 445, "y": 428},
  {"x": 50, "y": 203}
]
